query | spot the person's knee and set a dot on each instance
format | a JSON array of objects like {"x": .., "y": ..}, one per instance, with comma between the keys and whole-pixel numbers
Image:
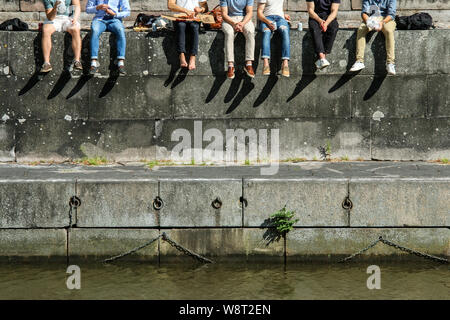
[{"x": 48, "y": 30}]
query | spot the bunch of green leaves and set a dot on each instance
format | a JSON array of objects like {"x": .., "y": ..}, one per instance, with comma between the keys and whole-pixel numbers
[{"x": 283, "y": 220}]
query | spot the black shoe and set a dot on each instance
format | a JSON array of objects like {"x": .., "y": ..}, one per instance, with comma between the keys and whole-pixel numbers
[{"x": 122, "y": 71}]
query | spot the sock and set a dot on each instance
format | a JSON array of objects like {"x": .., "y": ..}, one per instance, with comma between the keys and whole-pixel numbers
[
  {"x": 94, "y": 63},
  {"x": 120, "y": 63}
]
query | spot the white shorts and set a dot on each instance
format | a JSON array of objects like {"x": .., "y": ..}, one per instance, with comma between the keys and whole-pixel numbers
[{"x": 62, "y": 23}]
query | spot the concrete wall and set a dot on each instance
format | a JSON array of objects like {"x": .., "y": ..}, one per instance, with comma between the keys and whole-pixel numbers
[
  {"x": 32, "y": 11},
  {"x": 364, "y": 116},
  {"x": 405, "y": 203}
]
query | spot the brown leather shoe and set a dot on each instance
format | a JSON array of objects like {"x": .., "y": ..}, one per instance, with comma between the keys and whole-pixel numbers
[
  {"x": 230, "y": 73},
  {"x": 249, "y": 71}
]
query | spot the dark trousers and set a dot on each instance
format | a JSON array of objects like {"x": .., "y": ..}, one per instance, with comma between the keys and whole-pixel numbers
[
  {"x": 181, "y": 36},
  {"x": 323, "y": 41}
]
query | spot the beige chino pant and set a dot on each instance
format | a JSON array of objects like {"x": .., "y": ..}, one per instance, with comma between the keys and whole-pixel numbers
[
  {"x": 388, "y": 31},
  {"x": 230, "y": 34}
]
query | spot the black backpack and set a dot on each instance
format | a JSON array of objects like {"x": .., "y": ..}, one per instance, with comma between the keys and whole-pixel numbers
[
  {"x": 418, "y": 21},
  {"x": 14, "y": 25}
]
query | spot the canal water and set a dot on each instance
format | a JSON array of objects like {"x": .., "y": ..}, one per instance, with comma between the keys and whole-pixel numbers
[{"x": 126, "y": 280}]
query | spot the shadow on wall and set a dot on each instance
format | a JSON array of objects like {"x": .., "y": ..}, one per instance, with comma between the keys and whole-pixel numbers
[{"x": 239, "y": 88}]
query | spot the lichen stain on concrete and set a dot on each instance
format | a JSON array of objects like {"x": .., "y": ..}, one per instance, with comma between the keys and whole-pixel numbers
[{"x": 377, "y": 115}]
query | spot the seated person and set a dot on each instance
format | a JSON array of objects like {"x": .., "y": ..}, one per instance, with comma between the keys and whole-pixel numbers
[
  {"x": 108, "y": 16},
  {"x": 272, "y": 17},
  {"x": 191, "y": 8},
  {"x": 237, "y": 17},
  {"x": 58, "y": 20},
  {"x": 323, "y": 26},
  {"x": 382, "y": 12}
]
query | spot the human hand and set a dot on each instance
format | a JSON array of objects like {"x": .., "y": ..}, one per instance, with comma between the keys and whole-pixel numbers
[
  {"x": 110, "y": 12},
  {"x": 239, "y": 27},
  {"x": 323, "y": 26},
  {"x": 380, "y": 26},
  {"x": 271, "y": 26},
  {"x": 103, "y": 7},
  {"x": 198, "y": 10},
  {"x": 287, "y": 17},
  {"x": 190, "y": 14}
]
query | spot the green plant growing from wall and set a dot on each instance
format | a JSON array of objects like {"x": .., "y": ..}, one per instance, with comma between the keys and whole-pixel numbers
[{"x": 283, "y": 220}]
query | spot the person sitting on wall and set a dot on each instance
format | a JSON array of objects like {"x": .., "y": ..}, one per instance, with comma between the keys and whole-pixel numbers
[
  {"x": 108, "y": 16},
  {"x": 323, "y": 26},
  {"x": 58, "y": 20},
  {"x": 378, "y": 15},
  {"x": 273, "y": 18},
  {"x": 237, "y": 17},
  {"x": 191, "y": 8}
]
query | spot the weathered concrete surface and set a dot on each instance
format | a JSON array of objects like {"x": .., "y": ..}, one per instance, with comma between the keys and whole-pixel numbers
[
  {"x": 7, "y": 150},
  {"x": 315, "y": 202},
  {"x": 28, "y": 243},
  {"x": 63, "y": 139},
  {"x": 409, "y": 139},
  {"x": 35, "y": 204},
  {"x": 439, "y": 104},
  {"x": 404, "y": 202},
  {"x": 117, "y": 203},
  {"x": 156, "y": 53},
  {"x": 298, "y": 138},
  {"x": 242, "y": 244},
  {"x": 190, "y": 204},
  {"x": 316, "y": 244},
  {"x": 105, "y": 243}
]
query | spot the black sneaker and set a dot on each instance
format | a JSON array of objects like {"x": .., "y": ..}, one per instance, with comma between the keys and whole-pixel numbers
[{"x": 122, "y": 71}]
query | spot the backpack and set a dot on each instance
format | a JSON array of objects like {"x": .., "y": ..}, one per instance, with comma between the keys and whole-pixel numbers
[
  {"x": 417, "y": 21},
  {"x": 144, "y": 20},
  {"x": 14, "y": 25}
]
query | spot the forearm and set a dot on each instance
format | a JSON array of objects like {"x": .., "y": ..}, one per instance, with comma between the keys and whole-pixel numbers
[
  {"x": 387, "y": 19},
  {"x": 204, "y": 5},
  {"x": 314, "y": 15},
  {"x": 227, "y": 18},
  {"x": 176, "y": 8},
  {"x": 248, "y": 16},
  {"x": 331, "y": 17},
  {"x": 365, "y": 17},
  {"x": 77, "y": 13}
]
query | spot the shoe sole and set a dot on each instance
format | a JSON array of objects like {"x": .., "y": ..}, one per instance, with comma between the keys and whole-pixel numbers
[
  {"x": 248, "y": 74},
  {"x": 357, "y": 69},
  {"x": 46, "y": 71},
  {"x": 230, "y": 77}
]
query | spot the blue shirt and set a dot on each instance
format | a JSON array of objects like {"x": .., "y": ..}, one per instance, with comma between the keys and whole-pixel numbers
[
  {"x": 49, "y": 4},
  {"x": 387, "y": 7},
  {"x": 120, "y": 7},
  {"x": 236, "y": 7}
]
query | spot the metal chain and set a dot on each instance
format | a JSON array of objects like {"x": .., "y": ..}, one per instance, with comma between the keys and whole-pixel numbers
[
  {"x": 373, "y": 244},
  {"x": 132, "y": 250},
  {"x": 165, "y": 237},
  {"x": 411, "y": 251},
  {"x": 399, "y": 247},
  {"x": 180, "y": 248}
]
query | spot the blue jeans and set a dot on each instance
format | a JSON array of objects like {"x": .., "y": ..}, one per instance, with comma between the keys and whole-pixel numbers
[
  {"x": 181, "y": 36},
  {"x": 282, "y": 26},
  {"x": 113, "y": 25}
]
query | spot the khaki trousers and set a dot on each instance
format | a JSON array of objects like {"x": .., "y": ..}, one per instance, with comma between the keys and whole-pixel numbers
[
  {"x": 388, "y": 31},
  {"x": 230, "y": 34}
]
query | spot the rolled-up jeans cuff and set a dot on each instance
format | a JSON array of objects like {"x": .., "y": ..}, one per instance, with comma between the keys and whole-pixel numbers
[
  {"x": 94, "y": 58},
  {"x": 265, "y": 57},
  {"x": 121, "y": 58},
  {"x": 285, "y": 58}
]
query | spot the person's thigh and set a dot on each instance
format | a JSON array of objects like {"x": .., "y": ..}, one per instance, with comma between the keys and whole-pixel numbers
[
  {"x": 227, "y": 29},
  {"x": 249, "y": 27},
  {"x": 98, "y": 27},
  {"x": 116, "y": 27},
  {"x": 389, "y": 27},
  {"x": 48, "y": 29}
]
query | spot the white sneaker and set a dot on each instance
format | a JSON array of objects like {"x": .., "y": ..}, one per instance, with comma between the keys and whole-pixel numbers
[
  {"x": 358, "y": 65},
  {"x": 390, "y": 67},
  {"x": 322, "y": 63}
]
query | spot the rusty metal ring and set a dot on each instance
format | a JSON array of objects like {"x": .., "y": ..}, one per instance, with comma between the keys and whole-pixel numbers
[
  {"x": 243, "y": 201},
  {"x": 158, "y": 203},
  {"x": 75, "y": 202},
  {"x": 217, "y": 203},
  {"x": 347, "y": 204}
]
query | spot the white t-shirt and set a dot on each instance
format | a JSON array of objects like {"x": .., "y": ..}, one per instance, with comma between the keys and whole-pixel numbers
[
  {"x": 273, "y": 7},
  {"x": 189, "y": 4}
]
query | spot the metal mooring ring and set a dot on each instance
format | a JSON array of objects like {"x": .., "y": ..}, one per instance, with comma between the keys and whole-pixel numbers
[
  {"x": 347, "y": 204},
  {"x": 217, "y": 203},
  {"x": 158, "y": 203},
  {"x": 243, "y": 201},
  {"x": 75, "y": 202}
]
